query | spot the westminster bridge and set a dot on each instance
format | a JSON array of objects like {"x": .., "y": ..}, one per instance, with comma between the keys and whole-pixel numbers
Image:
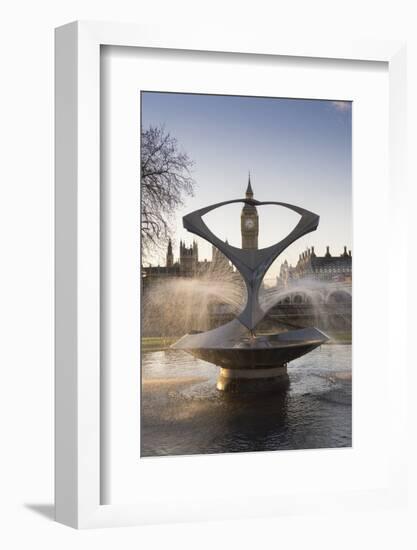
[{"x": 328, "y": 307}]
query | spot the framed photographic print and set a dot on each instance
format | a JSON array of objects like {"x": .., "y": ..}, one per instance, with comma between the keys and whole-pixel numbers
[
  {"x": 193, "y": 298},
  {"x": 223, "y": 211}
]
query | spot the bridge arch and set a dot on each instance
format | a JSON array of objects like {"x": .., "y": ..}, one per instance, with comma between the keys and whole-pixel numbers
[{"x": 339, "y": 297}]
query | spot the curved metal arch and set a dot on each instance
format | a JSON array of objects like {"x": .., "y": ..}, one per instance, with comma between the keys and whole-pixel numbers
[{"x": 251, "y": 264}]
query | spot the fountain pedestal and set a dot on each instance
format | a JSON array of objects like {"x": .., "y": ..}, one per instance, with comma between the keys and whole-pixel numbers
[{"x": 253, "y": 380}]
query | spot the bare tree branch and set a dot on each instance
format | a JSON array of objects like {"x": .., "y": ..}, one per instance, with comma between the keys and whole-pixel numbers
[{"x": 166, "y": 180}]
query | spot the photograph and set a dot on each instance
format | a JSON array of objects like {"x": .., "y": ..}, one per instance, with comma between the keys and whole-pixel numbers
[{"x": 246, "y": 273}]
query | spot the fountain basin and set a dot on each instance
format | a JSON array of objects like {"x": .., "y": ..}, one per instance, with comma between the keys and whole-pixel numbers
[
  {"x": 257, "y": 356},
  {"x": 250, "y": 362}
]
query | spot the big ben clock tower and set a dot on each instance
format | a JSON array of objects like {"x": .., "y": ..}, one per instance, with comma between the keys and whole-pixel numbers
[{"x": 249, "y": 224}]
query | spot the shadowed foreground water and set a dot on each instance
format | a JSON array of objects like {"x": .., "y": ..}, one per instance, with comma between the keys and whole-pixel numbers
[{"x": 184, "y": 413}]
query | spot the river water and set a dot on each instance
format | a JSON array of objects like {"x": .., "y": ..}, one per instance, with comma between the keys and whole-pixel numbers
[{"x": 184, "y": 413}]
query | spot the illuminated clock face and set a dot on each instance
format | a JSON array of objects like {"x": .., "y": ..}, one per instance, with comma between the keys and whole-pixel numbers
[{"x": 249, "y": 224}]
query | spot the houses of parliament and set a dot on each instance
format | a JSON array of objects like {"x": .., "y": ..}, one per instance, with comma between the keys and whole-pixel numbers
[{"x": 309, "y": 266}]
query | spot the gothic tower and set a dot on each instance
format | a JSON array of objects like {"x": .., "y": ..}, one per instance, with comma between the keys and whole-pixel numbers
[
  {"x": 249, "y": 224},
  {"x": 170, "y": 256},
  {"x": 188, "y": 259}
]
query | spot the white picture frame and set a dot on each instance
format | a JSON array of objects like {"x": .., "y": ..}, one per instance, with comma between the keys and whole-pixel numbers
[{"x": 78, "y": 404}]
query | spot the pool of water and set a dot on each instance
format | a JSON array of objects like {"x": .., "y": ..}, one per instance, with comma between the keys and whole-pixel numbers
[{"x": 183, "y": 412}]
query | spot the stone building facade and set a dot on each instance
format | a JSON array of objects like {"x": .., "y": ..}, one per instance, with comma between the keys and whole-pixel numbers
[{"x": 318, "y": 268}]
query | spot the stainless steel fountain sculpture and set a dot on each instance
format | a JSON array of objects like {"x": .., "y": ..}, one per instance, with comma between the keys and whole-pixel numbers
[{"x": 248, "y": 361}]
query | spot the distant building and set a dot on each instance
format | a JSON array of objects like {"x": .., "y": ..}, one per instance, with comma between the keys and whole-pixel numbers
[
  {"x": 249, "y": 222},
  {"x": 336, "y": 269},
  {"x": 187, "y": 264}
]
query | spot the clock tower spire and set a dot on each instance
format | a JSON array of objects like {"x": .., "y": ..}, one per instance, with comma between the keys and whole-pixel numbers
[{"x": 249, "y": 225}]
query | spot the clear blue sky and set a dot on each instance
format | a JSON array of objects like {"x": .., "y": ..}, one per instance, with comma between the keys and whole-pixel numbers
[{"x": 298, "y": 151}]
